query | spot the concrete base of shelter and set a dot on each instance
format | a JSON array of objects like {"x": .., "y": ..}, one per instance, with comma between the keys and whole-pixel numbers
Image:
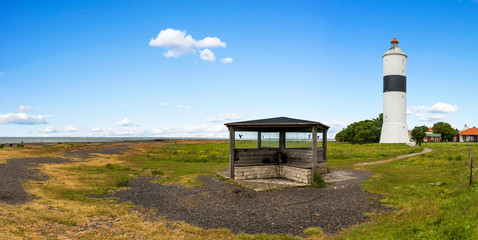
[{"x": 301, "y": 175}]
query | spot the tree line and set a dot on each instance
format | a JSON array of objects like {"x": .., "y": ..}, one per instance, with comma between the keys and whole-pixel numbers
[
  {"x": 444, "y": 129},
  {"x": 368, "y": 131}
]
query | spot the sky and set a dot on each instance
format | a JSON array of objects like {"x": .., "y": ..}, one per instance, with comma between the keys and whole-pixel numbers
[{"x": 184, "y": 68}]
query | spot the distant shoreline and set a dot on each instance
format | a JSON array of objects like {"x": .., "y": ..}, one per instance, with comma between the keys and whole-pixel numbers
[{"x": 19, "y": 140}]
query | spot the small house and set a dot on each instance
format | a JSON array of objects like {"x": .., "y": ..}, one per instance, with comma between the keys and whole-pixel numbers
[
  {"x": 469, "y": 135},
  {"x": 432, "y": 137}
]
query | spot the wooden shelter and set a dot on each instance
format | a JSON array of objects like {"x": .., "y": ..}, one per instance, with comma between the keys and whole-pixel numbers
[{"x": 291, "y": 158}]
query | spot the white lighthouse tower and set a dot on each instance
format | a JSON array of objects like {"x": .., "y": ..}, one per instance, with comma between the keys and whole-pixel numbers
[{"x": 394, "y": 128}]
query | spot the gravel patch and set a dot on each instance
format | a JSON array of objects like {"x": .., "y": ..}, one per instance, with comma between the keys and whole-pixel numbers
[
  {"x": 86, "y": 153},
  {"x": 218, "y": 204},
  {"x": 17, "y": 171}
]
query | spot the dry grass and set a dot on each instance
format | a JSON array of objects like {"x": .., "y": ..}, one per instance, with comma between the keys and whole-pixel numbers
[{"x": 62, "y": 209}]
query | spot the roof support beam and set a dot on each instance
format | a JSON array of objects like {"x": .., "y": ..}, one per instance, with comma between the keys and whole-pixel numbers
[
  {"x": 232, "y": 144},
  {"x": 314, "y": 152}
]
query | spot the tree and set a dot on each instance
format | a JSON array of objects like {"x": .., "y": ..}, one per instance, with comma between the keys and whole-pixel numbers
[
  {"x": 366, "y": 131},
  {"x": 418, "y": 133},
  {"x": 445, "y": 129}
]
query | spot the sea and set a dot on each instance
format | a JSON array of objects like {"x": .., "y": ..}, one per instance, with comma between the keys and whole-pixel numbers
[
  {"x": 16, "y": 140},
  {"x": 4, "y": 140}
]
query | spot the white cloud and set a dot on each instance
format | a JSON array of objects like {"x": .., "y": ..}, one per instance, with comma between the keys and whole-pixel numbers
[
  {"x": 227, "y": 60},
  {"x": 189, "y": 128},
  {"x": 23, "y": 119},
  {"x": 207, "y": 55},
  {"x": 179, "y": 44},
  {"x": 97, "y": 129},
  {"x": 336, "y": 126},
  {"x": 440, "y": 107},
  {"x": 48, "y": 129},
  {"x": 223, "y": 117},
  {"x": 183, "y": 106},
  {"x": 25, "y": 109},
  {"x": 417, "y": 109},
  {"x": 70, "y": 128},
  {"x": 430, "y": 117},
  {"x": 203, "y": 129},
  {"x": 164, "y": 104},
  {"x": 210, "y": 42},
  {"x": 124, "y": 123},
  {"x": 423, "y": 113},
  {"x": 120, "y": 131},
  {"x": 127, "y": 131},
  {"x": 159, "y": 130}
]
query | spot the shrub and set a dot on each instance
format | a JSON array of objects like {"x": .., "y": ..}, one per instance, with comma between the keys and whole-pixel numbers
[
  {"x": 312, "y": 231},
  {"x": 113, "y": 166},
  {"x": 318, "y": 181},
  {"x": 157, "y": 172},
  {"x": 122, "y": 180}
]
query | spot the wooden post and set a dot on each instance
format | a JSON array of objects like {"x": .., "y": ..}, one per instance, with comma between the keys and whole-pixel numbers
[
  {"x": 282, "y": 141},
  {"x": 314, "y": 152},
  {"x": 471, "y": 172},
  {"x": 232, "y": 147},
  {"x": 259, "y": 138},
  {"x": 324, "y": 144}
]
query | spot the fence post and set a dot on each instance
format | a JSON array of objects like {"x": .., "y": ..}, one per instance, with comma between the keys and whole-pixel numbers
[{"x": 471, "y": 172}]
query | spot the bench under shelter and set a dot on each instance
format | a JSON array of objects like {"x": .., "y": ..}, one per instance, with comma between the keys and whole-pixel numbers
[{"x": 279, "y": 147}]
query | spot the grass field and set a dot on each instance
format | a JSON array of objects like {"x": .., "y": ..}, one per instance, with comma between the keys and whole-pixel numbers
[{"x": 429, "y": 194}]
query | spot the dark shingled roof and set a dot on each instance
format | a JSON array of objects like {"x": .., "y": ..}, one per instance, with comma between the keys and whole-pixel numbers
[{"x": 278, "y": 121}]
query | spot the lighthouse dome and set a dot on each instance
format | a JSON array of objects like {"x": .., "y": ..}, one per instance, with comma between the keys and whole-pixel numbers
[{"x": 394, "y": 49}]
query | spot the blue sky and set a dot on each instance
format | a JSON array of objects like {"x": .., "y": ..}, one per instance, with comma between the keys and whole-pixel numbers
[{"x": 155, "y": 68}]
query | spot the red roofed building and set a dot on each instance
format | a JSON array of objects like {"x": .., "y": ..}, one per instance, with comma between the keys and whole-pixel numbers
[{"x": 468, "y": 134}]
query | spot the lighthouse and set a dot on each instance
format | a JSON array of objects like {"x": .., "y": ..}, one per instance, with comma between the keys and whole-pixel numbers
[{"x": 394, "y": 128}]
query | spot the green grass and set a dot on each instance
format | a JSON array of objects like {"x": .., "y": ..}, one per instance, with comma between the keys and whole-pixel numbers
[
  {"x": 312, "y": 231},
  {"x": 344, "y": 155},
  {"x": 318, "y": 181},
  {"x": 183, "y": 163},
  {"x": 430, "y": 195}
]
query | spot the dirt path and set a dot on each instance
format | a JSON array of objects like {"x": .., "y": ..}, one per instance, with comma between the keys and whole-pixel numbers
[
  {"x": 425, "y": 150},
  {"x": 218, "y": 204}
]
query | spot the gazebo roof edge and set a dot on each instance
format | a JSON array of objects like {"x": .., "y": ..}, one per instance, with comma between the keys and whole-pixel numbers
[{"x": 278, "y": 121}]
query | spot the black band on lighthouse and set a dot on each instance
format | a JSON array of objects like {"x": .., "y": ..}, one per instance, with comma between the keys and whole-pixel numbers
[{"x": 397, "y": 83}]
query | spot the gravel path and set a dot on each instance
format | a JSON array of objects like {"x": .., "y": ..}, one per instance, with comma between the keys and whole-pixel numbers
[
  {"x": 425, "y": 150},
  {"x": 15, "y": 172},
  {"x": 218, "y": 204},
  {"x": 86, "y": 153}
]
